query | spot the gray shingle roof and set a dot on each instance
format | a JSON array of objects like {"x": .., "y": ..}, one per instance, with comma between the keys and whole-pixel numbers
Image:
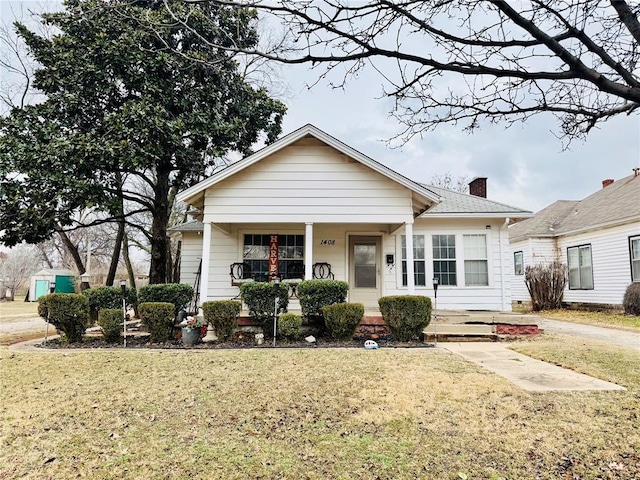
[
  {"x": 456, "y": 202},
  {"x": 193, "y": 226},
  {"x": 616, "y": 203}
]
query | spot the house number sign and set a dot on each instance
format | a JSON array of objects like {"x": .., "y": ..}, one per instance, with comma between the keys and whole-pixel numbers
[{"x": 327, "y": 242}]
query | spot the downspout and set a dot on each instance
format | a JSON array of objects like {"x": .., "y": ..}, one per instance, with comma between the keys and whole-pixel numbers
[{"x": 503, "y": 228}]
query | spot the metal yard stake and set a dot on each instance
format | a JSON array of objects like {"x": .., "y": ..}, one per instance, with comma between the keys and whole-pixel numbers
[
  {"x": 123, "y": 288},
  {"x": 52, "y": 288},
  {"x": 276, "y": 282},
  {"x": 435, "y": 312}
]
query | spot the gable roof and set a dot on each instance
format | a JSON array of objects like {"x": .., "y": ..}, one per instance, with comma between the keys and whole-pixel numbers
[
  {"x": 192, "y": 194},
  {"x": 615, "y": 204},
  {"x": 463, "y": 204}
]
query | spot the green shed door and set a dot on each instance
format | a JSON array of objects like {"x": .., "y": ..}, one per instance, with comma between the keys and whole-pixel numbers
[
  {"x": 42, "y": 288},
  {"x": 65, "y": 284}
]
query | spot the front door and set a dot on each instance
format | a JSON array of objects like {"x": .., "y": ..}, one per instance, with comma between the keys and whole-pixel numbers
[{"x": 364, "y": 270}]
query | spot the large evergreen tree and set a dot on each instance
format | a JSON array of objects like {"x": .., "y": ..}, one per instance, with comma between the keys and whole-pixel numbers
[{"x": 137, "y": 107}]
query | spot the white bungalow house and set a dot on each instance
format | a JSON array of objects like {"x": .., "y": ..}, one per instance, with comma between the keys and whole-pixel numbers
[
  {"x": 598, "y": 238},
  {"x": 311, "y": 205}
]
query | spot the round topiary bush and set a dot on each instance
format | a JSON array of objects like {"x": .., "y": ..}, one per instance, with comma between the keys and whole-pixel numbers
[
  {"x": 179, "y": 294},
  {"x": 631, "y": 301},
  {"x": 111, "y": 320},
  {"x": 342, "y": 319},
  {"x": 260, "y": 298},
  {"x": 158, "y": 318},
  {"x": 406, "y": 315},
  {"x": 68, "y": 312},
  {"x": 107, "y": 297},
  {"x": 289, "y": 326},
  {"x": 314, "y": 295},
  {"x": 223, "y": 315}
]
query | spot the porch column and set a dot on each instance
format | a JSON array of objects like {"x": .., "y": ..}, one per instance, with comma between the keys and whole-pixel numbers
[
  {"x": 308, "y": 251},
  {"x": 206, "y": 255},
  {"x": 411, "y": 284}
]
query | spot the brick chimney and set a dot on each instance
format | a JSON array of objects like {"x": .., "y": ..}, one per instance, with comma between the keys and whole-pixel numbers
[
  {"x": 478, "y": 187},
  {"x": 607, "y": 182}
]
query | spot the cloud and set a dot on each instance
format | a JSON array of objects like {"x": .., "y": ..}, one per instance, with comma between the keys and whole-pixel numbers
[{"x": 525, "y": 164}]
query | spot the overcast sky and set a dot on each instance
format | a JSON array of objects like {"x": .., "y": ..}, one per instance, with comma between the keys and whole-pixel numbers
[{"x": 525, "y": 164}]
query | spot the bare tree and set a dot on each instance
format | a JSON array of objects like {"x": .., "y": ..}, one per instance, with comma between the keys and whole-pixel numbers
[
  {"x": 17, "y": 266},
  {"x": 448, "y": 181},
  {"x": 469, "y": 61}
]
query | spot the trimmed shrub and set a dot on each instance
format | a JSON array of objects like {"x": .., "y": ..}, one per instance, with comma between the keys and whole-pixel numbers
[
  {"x": 631, "y": 300},
  {"x": 179, "y": 294},
  {"x": 107, "y": 297},
  {"x": 342, "y": 319},
  {"x": 158, "y": 318},
  {"x": 260, "y": 299},
  {"x": 406, "y": 315},
  {"x": 68, "y": 312},
  {"x": 110, "y": 320},
  {"x": 314, "y": 295},
  {"x": 546, "y": 285},
  {"x": 223, "y": 315},
  {"x": 289, "y": 326}
]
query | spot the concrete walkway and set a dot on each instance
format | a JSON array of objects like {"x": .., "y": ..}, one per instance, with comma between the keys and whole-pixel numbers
[
  {"x": 526, "y": 372},
  {"x": 614, "y": 336}
]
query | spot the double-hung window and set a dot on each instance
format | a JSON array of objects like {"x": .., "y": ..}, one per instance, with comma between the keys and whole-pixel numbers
[
  {"x": 476, "y": 269},
  {"x": 634, "y": 251},
  {"x": 518, "y": 263},
  {"x": 419, "y": 269},
  {"x": 580, "y": 267},
  {"x": 256, "y": 253},
  {"x": 444, "y": 259}
]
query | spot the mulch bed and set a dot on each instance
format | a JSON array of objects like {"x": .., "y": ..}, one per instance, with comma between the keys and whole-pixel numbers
[{"x": 243, "y": 342}]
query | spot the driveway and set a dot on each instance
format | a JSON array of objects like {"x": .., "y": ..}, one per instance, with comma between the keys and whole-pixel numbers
[{"x": 614, "y": 336}]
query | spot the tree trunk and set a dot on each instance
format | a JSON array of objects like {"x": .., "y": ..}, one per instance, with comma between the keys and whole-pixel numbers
[
  {"x": 127, "y": 261},
  {"x": 115, "y": 258},
  {"x": 159, "y": 241},
  {"x": 73, "y": 250}
]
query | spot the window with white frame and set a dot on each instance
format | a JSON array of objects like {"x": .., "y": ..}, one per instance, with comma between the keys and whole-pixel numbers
[
  {"x": 518, "y": 263},
  {"x": 444, "y": 259},
  {"x": 634, "y": 252},
  {"x": 256, "y": 253},
  {"x": 476, "y": 268},
  {"x": 419, "y": 268},
  {"x": 580, "y": 267}
]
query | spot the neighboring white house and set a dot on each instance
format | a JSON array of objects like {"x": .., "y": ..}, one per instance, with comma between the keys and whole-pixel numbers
[
  {"x": 598, "y": 238},
  {"x": 309, "y": 198}
]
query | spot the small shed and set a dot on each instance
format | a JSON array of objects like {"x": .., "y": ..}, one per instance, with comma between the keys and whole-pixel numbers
[{"x": 42, "y": 281}]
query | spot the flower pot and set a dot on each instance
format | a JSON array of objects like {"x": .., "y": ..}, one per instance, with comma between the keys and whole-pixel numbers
[{"x": 190, "y": 336}]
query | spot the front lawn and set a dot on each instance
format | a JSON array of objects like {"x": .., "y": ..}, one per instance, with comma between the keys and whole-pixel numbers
[{"x": 317, "y": 413}]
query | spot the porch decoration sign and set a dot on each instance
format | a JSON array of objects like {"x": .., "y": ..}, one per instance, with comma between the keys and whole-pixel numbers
[{"x": 273, "y": 255}]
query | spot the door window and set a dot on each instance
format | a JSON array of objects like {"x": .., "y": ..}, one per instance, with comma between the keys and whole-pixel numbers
[{"x": 365, "y": 265}]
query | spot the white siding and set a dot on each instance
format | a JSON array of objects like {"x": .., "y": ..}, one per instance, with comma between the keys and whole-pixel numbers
[
  {"x": 308, "y": 182},
  {"x": 611, "y": 263},
  {"x": 535, "y": 251},
  {"x": 190, "y": 256},
  {"x": 610, "y": 259}
]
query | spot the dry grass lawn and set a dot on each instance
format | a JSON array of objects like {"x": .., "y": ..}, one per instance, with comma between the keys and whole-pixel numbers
[
  {"x": 607, "y": 318},
  {"x": 312, "y": 414}
]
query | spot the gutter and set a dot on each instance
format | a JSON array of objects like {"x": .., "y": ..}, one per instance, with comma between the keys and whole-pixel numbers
[{"x": 502, "y": 229}]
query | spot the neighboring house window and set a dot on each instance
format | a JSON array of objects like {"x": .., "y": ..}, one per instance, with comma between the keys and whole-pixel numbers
[
  {"x": 580, "y": 267},
  {"x": 518, "y": 263},
  {"x": 256, "y": 253},
  {"x": 476, "y": 270},
  {"x": 634, "y": 246},
  {"x": 419, "y": 269},
  {"x": 444, "y": 259}
]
